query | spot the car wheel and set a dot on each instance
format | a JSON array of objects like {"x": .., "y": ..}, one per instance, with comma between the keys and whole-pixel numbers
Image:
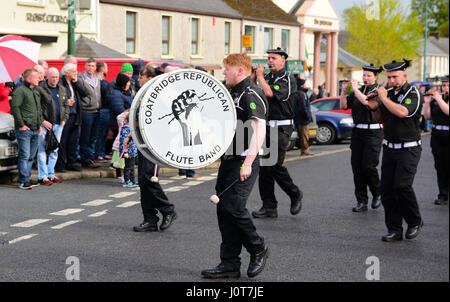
[
  {"x": 326, "y": 134},
  {"x": 291, "y": 145}
]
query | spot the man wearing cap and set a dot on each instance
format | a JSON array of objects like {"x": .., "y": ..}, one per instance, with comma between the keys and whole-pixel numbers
[
  {"x": 437, "y": 109},
  {"x": 278, "y": 86},
  {"x": 399, "y": 108},
  {"x": 367, "y": 137}
]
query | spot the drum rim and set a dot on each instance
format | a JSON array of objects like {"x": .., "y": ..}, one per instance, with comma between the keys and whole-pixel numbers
[{"x": 148, "y": 150}]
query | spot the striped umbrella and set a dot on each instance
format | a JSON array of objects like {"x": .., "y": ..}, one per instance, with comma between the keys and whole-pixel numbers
[{"x": 16, "y": 54}]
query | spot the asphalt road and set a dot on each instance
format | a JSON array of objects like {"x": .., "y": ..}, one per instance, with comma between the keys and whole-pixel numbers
[{"x": 92, "y": 220}]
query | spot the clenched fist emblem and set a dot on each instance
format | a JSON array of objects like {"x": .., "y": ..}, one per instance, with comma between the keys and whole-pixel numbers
[{"x": 186, "y": 110}]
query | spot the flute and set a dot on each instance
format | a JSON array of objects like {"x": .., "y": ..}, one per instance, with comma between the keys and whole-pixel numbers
[{"x": 375, "y": 94}]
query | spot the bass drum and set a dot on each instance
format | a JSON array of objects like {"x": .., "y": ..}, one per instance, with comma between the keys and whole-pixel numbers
[{"x": 184, "y": 119}]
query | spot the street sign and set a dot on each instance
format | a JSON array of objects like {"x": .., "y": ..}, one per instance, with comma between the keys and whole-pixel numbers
[{"x": 247, "y": 41}]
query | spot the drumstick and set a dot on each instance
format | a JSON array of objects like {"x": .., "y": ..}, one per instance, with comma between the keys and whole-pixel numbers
[
  {"x": 154, "y": 177},
  {"x": 215, "y": 198}
]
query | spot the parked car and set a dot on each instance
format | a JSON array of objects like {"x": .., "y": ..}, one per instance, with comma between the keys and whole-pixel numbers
[
  {"x": 295, "y": 139},
  {"x": 330, "y": 104},
  {"x": 332, "y": 126},
  {"x": 9, "y": 153}
]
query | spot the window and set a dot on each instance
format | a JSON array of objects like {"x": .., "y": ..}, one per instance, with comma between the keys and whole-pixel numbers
[
  {"x": 195, "y": 34},
  {"x": 268, "y": 39},
  {"x": 227, "y": 37},
  {"x": 166, "y": 28},
  {"x": 285, "y": 39},
  {"x": 131, "y": 32},
  {"x": 250, "y": 30}
]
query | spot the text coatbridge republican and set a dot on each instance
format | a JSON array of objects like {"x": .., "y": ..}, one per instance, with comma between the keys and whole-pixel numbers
[{"x": 194, "y": 76}]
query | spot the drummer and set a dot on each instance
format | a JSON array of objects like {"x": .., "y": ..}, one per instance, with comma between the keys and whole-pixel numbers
[
  {"x": 153, "y": 198},
  {"x": 235, "y": 224}
]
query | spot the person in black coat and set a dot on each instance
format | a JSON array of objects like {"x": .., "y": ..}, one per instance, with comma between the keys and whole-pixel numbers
[{"x": 67, "y": 153}]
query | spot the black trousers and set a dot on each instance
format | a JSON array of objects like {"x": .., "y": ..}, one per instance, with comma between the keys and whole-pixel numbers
[
  {"x": 153, "y": 198},
  {"x": 128, "y": 171},
  {"x": 398, "y": 169},
  {"x": 440, "y": 150},
  {"x": 235, "y": 223},
  {"x": 67, "y": 152},
  {"x": 269, "y": 174},
  {"x": 366, "y": 148}
]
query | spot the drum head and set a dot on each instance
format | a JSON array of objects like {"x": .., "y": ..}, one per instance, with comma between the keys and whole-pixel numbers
[{"x": 183, "y": 119}]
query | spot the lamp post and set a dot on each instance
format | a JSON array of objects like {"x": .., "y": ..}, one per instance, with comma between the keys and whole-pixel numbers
[
  {"x": 425, "y": 42},
  {"x": 71, "y": 29}
]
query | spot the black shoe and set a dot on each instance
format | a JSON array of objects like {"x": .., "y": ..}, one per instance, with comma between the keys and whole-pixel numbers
[
  {"x": 34, "y": 183},
  {"x": 296, "y": 203},
  {"x": 74, "y": 168},
  {"x": 265, "y": 213},
  {"x": 167, "y": 221},
  {"x": 412, "y": 232},
  {"x": 257, "y": 262},
  {"x": 90, "y": 164},
  {"x": 360, "y": 207},
  {"x": 376, "y": 202},
  {"x": 220, "y": 271},
  {"x": 391, "y": 237},
  {"x": 25, "y": 186},
  {"x": 146, "y": 226},
  {"x": 440, "y": 202}
]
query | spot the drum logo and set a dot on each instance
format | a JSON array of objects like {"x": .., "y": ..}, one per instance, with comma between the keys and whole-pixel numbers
[{"x": 186, "y": 119}]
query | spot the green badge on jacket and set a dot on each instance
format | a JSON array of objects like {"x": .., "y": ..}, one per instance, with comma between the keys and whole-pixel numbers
[
  {"x": 252, "y": 105},
  {"x": 408, "y": 101},
  {"x": 276, "y": 87}
]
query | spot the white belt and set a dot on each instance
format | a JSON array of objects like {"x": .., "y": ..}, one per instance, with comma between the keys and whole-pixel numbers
[
  {"x": 369, "y": 126},
  {"x": 441, "y": 127},
  {"x": 245, "y": 153},
  {"x": 274, "y": 123},
  {"x": 402, "y": 145}
]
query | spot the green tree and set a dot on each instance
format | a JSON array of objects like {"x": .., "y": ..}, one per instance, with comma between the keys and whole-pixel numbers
[
  {"x": 380, "y": 32},
  {"x": 437, "y": 14}
]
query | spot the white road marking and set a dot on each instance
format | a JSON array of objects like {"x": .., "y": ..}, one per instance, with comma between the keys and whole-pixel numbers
[
  {"x": 22, "y": 238},
  {"x": 66, "y": 212},
  {"x": 165, "y": 181},
  {"x": 122, "y": 194},
  {"x": 98, "y": 214},
  {"x": 178, "y": 177},
  {"x": 174, "y": 189},
  {"x": 214, "y": 174},
  {"x": 30, "y": 223},
  {"x": 205, "y": 178},
  {"x": 192, "y": 183},
  {"x": 3, "y": 233},
  {"x": 127, "y": 204},
  {"x": 63, "y": 225},
  {"x": 97, "y": 202}
]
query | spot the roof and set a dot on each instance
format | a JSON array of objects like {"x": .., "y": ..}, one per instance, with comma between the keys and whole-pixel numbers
[
  {"x": 295, "y": 8},
  {"x": 201, "y": 7},
  {"x": 345, "y": 58},
  {"x": 441, "y": 43},
  {"x": 87, "y": 48},
  {"x": 262, "y": 10}
]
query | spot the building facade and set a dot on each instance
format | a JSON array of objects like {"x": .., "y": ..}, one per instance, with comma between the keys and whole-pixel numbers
[{"x": 45, "y": 22}]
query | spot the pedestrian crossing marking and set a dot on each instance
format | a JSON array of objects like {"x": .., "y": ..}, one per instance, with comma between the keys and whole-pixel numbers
[
  {"x": 192, "y": 183},
  {"x": 122, "y": 194},
  {"x": 174, "y": 189},
  {"x": 178, "y": 177},
  {"x": 205, "y": 178},
  {"x": 22, "y": 238},
  {"x": 127, "y": 204},
  {"x": 30, "y": 223},
  {"x": 214, "y": 174},
  {"x": 63, "y": 225},
  {"x": 98, "y": 214},
  {"x": 66, "y": 212},
  {"x": 165, "y": 181},
  {"x": 97, "y": 202}
]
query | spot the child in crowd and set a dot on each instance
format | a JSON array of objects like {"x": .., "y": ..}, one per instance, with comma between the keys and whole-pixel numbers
[
  {"x": 129, "y": 154},
  {"x": 115, "y": 148}
]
